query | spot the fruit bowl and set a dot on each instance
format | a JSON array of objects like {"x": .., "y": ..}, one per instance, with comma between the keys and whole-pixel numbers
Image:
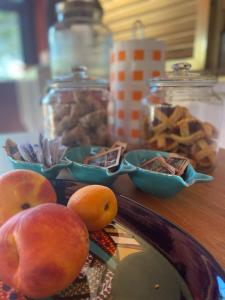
[
  {"x": 49, "y": 173},
  {"x": 138, "y": 242},
  {"x": 160, "y": 184},
  {"x": 93, "y": 174}
]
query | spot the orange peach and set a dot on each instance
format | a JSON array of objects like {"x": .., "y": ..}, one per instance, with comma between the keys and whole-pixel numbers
[
  {"x": 95, "y": 204},
  {"x": 22, "y": 189},
  {"x": 42, "y": 250}
]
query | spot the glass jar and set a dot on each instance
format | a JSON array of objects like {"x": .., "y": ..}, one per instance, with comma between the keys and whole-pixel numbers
[
  {"x": 75, "y": 109},
  {"x": 182, "y": 114},
  {"x": 79, "y": 38}
]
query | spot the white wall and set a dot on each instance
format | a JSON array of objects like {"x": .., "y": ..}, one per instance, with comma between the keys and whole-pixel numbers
[{"x": 30, "y": 92}]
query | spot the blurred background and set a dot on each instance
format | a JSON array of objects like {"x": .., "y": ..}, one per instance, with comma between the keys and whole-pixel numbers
[{"x": 192, "y": 31}]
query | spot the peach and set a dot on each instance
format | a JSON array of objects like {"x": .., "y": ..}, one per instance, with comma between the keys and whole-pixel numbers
[
  {"x": 95, "y": 204},
  {"x": 42, "y": 250},
  {"x": 22, "y": 189}
]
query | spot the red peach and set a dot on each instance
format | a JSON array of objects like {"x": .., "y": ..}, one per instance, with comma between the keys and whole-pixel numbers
[
  {"x": 42, "y": 250},
  {"x": 22, "y": 189}
]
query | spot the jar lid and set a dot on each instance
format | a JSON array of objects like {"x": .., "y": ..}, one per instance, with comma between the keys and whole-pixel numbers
[
  {"x": 181, "y": 76},
  {"x": 78, "y": 79},
  {"x": 79, "y": 9}
]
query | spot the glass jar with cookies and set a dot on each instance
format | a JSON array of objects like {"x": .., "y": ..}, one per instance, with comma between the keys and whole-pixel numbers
[
  {"x": 182, "y": 114},
  {"x": 75, "y": 109}
]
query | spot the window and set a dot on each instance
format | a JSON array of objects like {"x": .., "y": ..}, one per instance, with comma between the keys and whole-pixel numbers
[
  {"x": 11, "y": 56},
  {"x": 17, "y": 37}
]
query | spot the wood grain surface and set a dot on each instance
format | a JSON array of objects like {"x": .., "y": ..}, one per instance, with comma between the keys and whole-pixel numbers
[{"x": 198, "y": 210}]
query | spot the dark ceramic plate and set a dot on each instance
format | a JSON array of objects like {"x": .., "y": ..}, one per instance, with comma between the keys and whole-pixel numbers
[
  {"x": 169, "y": 263},
  {"x": 140, "y": 256}
]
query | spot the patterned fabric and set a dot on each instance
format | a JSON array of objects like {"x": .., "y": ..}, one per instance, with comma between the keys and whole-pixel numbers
[
  {"x": 105, "y": 241},
  {"x": 94, "y": 282},
  {"x": 6, "y": 293}
]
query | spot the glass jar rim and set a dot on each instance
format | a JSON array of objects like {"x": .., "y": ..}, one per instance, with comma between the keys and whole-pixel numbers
[
  {"x": 79, "y": 10},
  {"x": 182, "y": 77},
  {"x": 74, "y": 5},
  {"x": 77, "y": 79}
]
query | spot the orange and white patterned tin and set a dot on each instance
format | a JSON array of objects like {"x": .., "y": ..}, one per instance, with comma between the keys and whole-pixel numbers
[{"x": 132, "y": 63}]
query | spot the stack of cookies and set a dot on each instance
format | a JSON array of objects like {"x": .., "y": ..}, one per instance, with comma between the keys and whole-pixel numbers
[
  {"x": 174, "y": 129},
  {"x": 80, "y": 118}
]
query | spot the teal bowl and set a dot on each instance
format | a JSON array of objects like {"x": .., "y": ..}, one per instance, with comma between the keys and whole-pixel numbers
[
  {"x": 49, "y": 173},
  {"x": 159, "y": 184},
  {"x": 93, "y": 174}
]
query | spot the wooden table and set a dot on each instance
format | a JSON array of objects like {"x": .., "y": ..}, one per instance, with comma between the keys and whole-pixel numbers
[{"x": 199, "y": 209}]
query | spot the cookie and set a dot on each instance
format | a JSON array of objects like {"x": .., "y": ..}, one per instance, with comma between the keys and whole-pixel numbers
[
  {"x": 162, "y": 142},
  {"x": 188, "y": 131},
  {"x": 204, "y": 152},
  {"x": 166, "y": 117}
]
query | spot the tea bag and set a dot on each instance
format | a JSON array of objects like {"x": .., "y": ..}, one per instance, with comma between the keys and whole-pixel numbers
[
  {"x": 158, "y": 164},
  {"x": 12, "y": 149},
  {"x": 178, "y": 162},
  {"x": 46, "y": 152}
]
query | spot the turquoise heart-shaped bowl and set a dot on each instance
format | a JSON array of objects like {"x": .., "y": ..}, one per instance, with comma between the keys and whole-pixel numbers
[
  {"x": 49, "y": 173},
  {"x": 159, "y": 184},
  {"x": 92, "y": 174}
]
